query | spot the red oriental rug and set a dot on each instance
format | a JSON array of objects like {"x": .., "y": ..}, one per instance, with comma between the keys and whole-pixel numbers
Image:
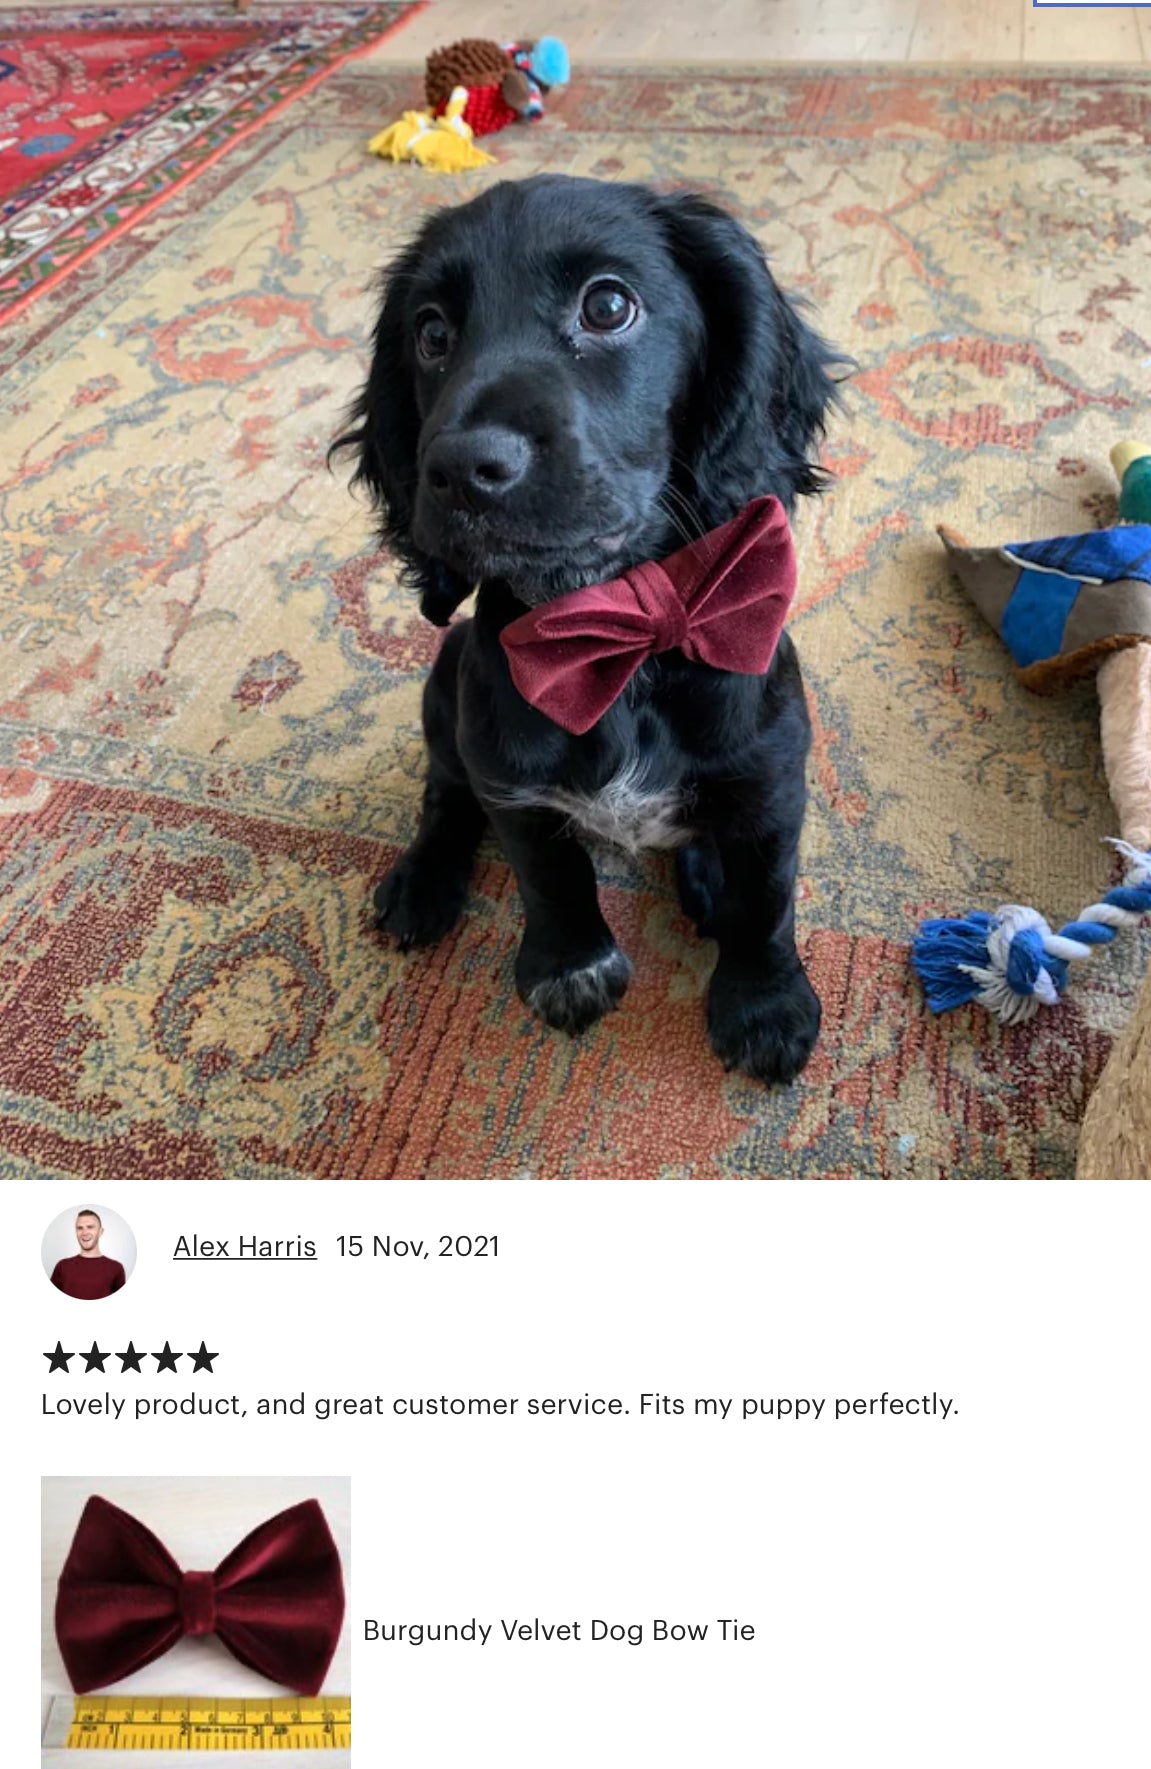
[{"x": 103, "y": 112}]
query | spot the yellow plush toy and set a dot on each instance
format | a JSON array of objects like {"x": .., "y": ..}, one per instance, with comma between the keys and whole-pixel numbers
[{"x": 439, "y": 144}]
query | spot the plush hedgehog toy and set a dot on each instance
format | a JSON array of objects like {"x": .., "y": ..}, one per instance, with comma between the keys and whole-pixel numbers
[{"x": 504, "y": 82}]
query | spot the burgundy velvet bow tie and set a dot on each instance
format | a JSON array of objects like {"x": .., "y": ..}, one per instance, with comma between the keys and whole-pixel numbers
[
  {"x": 721, "y": 601},
  {"x": 276, "y": 1601}
]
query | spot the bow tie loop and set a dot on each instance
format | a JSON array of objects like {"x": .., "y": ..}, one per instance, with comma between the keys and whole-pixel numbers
[{"x": 198, "y": 1602}]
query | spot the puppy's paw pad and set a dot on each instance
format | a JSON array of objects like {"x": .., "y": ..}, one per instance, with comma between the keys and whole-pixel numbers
[
  {"x": 416, "y": 906},
  {"x": 573, "y": 1000},
  {"x": 767, "y": 1031}
]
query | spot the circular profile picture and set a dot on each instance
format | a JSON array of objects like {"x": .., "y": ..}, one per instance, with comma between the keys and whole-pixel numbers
[{"x": 89, "y": 1254}]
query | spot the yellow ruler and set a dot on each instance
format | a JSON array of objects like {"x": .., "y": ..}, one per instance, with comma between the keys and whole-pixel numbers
[{"x": 201, "y": 1723}]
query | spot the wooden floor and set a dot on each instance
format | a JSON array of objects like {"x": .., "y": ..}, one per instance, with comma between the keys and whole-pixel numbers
[
  {"x": 794, "y": 30},
  {"x": 782, "y": 30}
]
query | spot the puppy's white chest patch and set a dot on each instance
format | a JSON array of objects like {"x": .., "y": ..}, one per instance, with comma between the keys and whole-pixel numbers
[{"x": 625, "y": 810}]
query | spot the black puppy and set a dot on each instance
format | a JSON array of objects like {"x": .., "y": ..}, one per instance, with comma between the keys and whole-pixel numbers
[{"x": 570, "y": 378}]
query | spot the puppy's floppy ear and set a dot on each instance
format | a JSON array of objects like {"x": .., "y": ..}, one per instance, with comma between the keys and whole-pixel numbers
[
  {"x": 759, "y": 399},
  {"x": 385, "y": 435}
]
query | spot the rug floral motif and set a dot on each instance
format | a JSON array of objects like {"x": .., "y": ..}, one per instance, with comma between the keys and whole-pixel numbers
[
  {"x": 210, "y": 682},
  {"x": 103, "y": 110}
]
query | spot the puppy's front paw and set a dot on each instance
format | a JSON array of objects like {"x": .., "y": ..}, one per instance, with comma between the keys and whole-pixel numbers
[
  {"x": 417, "y": 903},
  {"x": 574, "y": 998},
  {"x": 765, "y": 1026}
]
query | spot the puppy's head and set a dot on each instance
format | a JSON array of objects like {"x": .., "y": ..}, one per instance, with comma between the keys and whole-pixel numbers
[{"x": 569, "y": 377}]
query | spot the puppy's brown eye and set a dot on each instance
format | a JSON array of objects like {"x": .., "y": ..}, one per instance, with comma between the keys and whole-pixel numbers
[
  {"x": 433, "y": 335},
  {"x": 608, "y": 307}
]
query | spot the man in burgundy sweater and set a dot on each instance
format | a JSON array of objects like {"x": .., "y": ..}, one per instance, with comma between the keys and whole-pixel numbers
[{"x": 88, "y": 1275}]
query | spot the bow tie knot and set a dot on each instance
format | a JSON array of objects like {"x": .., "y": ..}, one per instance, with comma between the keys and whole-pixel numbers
[
  {"x": 656, "y": 595},
  {"x": 198, "y": 1602},
  {"x": 721, "y": 601}
]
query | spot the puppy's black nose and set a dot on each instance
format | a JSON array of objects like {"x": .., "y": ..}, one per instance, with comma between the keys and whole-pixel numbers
[{"x": 476, "y": 467}]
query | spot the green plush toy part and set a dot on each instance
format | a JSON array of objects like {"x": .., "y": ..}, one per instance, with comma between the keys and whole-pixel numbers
[{"x": 1132, "y": 464}]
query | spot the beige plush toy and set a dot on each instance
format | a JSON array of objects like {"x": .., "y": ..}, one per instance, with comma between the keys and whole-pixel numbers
[{"x": 1115, "y": 1142}]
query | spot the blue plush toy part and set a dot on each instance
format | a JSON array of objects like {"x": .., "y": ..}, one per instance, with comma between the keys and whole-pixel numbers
[
  {"x": 1012, "y": 962},
  {"x": 1102, "y": 556},
  {"x": 544, "y": 64},
  {"x": 550, "y": 62},
  {"x": 1074, "y": 571},
  {"x": 1061, "y": 605}
]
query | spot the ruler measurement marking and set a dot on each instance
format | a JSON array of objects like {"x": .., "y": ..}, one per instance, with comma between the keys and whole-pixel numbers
[{"x": 200, "y": 1723}]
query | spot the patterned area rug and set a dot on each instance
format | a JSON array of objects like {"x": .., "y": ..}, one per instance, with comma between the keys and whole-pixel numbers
[
  {"x": 103, "y": 111},
  {"x": 210, "y": 683}
]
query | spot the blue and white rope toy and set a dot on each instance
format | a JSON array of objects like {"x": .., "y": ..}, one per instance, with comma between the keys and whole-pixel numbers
[{"x": 1012, "y": 962}]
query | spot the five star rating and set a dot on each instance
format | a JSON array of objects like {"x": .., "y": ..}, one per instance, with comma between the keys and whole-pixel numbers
[{"x": 131, "y": 1359}]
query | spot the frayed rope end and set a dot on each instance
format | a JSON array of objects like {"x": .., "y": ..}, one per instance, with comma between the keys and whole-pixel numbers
[
  {"x": 1004, "y": 961},
  {"x": 945, "y": 952},
  {"x": 1012, "y": 962}
]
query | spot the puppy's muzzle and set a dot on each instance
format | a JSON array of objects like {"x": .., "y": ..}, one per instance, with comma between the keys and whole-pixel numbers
[{"x": 476, "y": 469}]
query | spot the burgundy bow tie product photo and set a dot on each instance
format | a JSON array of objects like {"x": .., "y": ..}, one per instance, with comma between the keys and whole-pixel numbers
[
  {"x": 276, "y": 1601},
  {"x": 722, "y": 601}
]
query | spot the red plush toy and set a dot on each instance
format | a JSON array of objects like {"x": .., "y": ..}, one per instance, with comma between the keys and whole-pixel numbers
[
  {"x": 492, "y": 80},
  {"x": 487, "y": 110}
]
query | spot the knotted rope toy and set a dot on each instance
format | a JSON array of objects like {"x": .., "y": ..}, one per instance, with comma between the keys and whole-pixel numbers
[
  {"x": 1063, "y": 607},
  {"x": 1012, "y": 962}
]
